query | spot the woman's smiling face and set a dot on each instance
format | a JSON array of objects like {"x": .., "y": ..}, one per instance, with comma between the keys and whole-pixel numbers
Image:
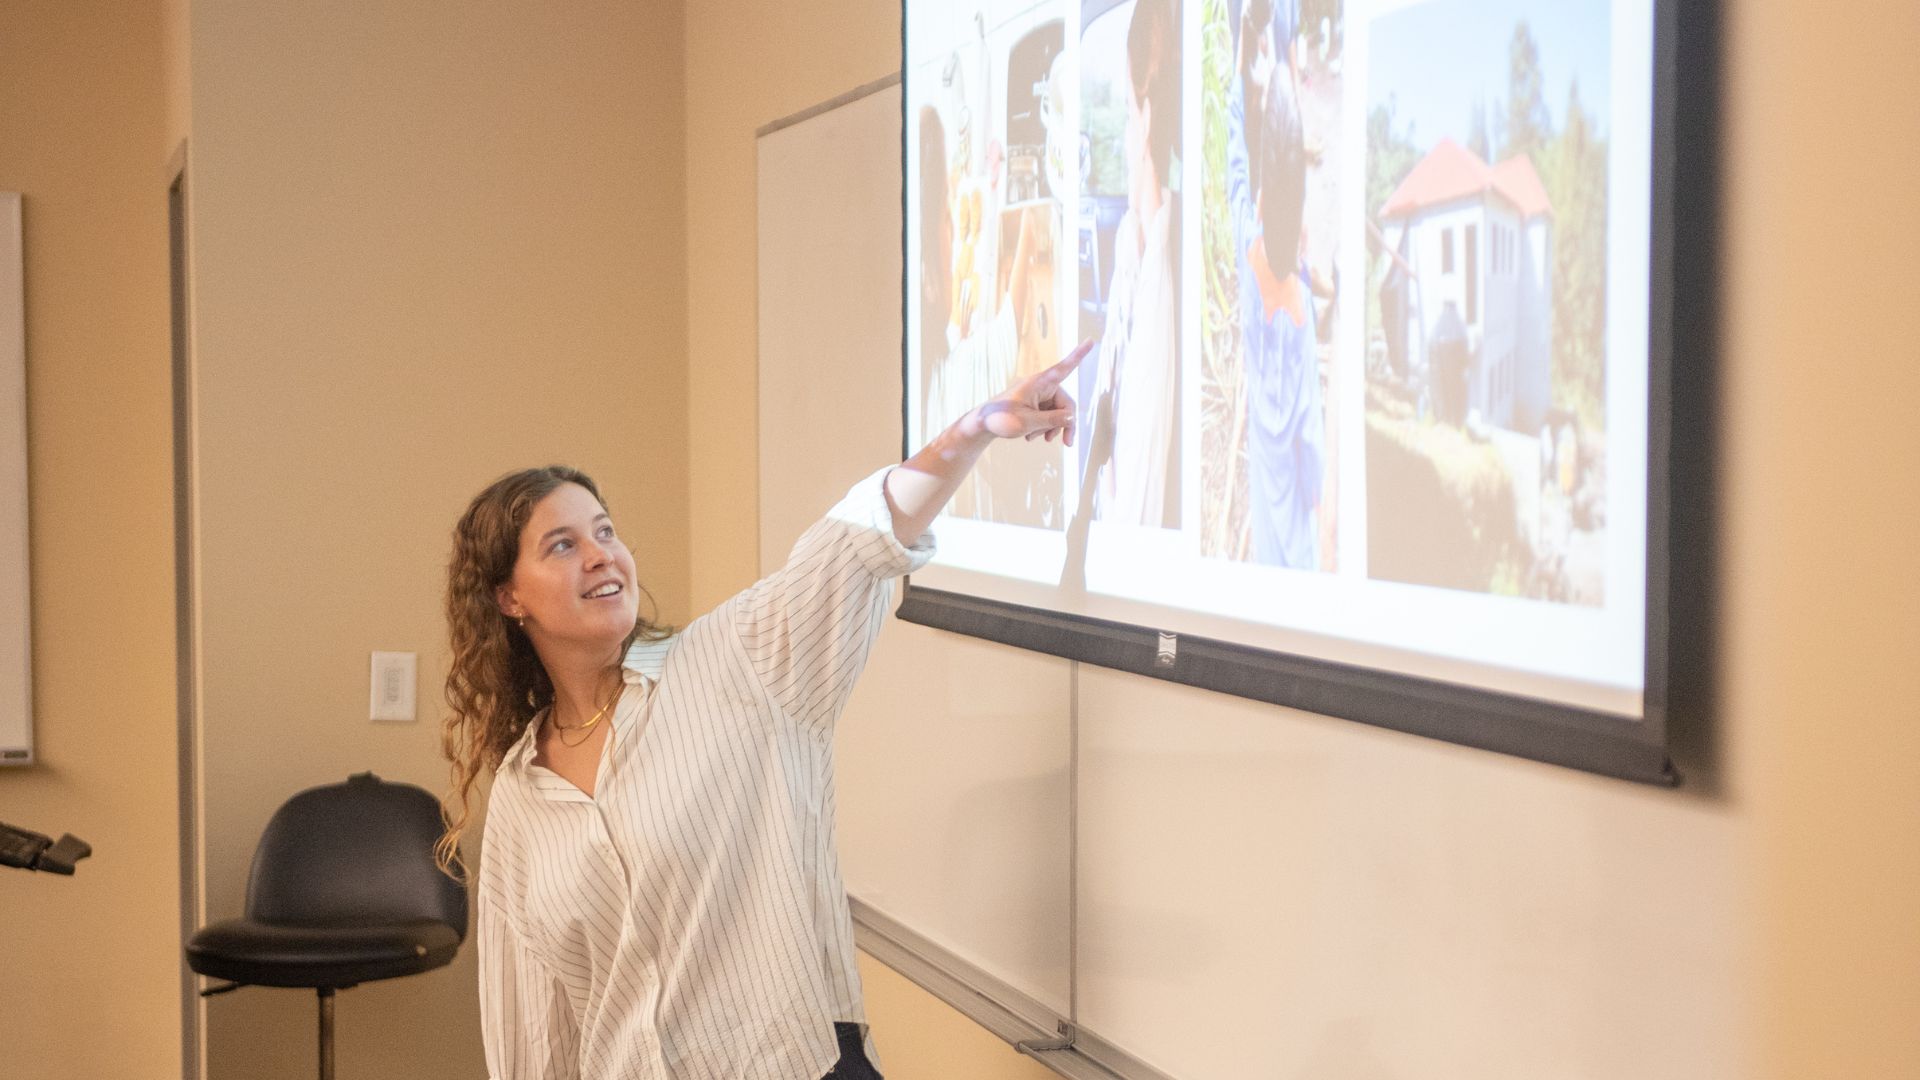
[{"x": 573, "y": 580}]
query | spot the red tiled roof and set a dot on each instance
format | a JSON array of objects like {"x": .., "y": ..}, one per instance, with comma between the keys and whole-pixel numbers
[
  {"x": 1451, "y": 171},
  {"x": 1517, "y": 180}
]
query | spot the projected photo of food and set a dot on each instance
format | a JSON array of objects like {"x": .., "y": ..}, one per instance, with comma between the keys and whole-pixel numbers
[
  {"x": 1486, "y": 426},
  {"x": 1271, "y": 151},
  {"x": 988, "y": 105},
  {"x": 1129, "y": 254}
]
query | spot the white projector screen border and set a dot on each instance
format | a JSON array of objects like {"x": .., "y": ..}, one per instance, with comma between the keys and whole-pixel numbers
[{"x": 1628, "y": 747}]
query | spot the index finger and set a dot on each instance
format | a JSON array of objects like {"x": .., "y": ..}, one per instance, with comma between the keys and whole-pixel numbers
[{"x": 1057, "y": 373}]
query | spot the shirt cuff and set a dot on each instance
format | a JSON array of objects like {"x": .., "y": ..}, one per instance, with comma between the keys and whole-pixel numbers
[{"x": 867, "y": 505}]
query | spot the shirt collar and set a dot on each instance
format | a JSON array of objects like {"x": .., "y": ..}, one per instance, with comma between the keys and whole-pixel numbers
[
  {"x": 1276, "y": 293},
  {"x": 646, "y": 660},
  {"x": 520, "y": 754},
  {"x": 643, "y": 665}
]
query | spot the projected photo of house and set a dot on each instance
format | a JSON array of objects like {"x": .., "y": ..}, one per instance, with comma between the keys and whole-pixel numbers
[{"x": 1486, "y": 366}]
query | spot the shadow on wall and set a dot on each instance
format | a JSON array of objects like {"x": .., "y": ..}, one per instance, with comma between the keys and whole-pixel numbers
[{"x": 1695, "y": 725}]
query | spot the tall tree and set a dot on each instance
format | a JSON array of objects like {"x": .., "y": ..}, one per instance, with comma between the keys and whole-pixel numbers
[
  {"x": 1478, "y": 140},
  {"x": 1573, "y": 168},
  {"x": 1391, "y": 155},
  {"x": 1529, "y": 125}
]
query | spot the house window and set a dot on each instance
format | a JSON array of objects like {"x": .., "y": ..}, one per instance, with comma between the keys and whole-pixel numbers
[
  {"x": 1472, "y": 244},
  {"x": 1446, "y": 251}
]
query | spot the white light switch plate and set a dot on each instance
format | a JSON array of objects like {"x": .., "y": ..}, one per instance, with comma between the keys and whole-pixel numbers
[{"x": 394, "y": 676}]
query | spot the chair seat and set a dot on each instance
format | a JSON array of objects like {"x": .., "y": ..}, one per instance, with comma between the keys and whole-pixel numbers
[{"x": 262, "y": 954}]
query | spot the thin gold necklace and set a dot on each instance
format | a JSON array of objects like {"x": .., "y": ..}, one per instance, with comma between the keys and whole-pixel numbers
[{"x": 588, "y": 726}]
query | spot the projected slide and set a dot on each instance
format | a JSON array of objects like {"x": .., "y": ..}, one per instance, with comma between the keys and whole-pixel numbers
[{"x": 1370, "y": 285}]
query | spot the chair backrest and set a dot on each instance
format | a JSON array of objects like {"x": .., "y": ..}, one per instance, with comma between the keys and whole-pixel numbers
[{"x": 355, "y": 853}]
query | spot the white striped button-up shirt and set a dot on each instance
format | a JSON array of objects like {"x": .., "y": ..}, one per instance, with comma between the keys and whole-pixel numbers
[{"x": 688, "y": 920}]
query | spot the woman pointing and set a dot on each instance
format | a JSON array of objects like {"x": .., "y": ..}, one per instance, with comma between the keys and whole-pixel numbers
[{"x": 659, "y": 894}]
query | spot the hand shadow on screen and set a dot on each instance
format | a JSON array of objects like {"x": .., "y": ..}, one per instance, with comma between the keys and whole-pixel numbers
[{"x": 1073, "y": 573}]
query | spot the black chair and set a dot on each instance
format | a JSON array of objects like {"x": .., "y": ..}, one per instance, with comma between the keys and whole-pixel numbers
[
  {"x": 28, "y": 850},
  {"x": 344, "y": 890}
]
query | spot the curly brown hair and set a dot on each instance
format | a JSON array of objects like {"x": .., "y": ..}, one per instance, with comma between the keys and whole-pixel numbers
[{"x": 496, "y": 684}]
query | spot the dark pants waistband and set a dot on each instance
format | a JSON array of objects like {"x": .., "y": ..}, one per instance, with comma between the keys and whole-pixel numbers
[{"x": 853, "y": 1064}]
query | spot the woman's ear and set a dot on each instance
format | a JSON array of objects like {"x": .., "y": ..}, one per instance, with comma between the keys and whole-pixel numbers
[{"x": 509, "y": 604}]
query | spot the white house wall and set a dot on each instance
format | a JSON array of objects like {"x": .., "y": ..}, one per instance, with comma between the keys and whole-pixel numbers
[
  {"x": 1534, "y": 376},
  {"x": 1504, "y": 333},
  {"x": 1500, "y": 311},
  {"x": 1438, "y": 287}
]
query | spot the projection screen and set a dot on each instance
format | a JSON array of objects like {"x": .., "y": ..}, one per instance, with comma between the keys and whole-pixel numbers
[{"x": 1375, "y": 422}]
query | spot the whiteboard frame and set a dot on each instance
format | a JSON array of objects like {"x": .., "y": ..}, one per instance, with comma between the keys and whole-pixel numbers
[
  {"x": 1629, "y": 748},
  {"x": 16, "y": 637},
  {"x": 1030, "y": 1027}
]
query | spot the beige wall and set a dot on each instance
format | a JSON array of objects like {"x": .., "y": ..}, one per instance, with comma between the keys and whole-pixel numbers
[
  {"x": 88, "y": 980},
  {"x": 402, "y": 223},
  {"x": 1823, "y": 599},
  {"x": 921, "y": 1038},
  {"x": 748, "y": 62},
  {"x": 175, "y": 17},
  {"x": 431, "y": 245}
]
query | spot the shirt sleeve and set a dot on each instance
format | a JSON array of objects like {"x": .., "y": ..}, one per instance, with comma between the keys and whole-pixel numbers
[
  {"x": 1246, "y": 224},
  {"x": 808, "y": 626},
  {"x": 526, "y": 1020}
]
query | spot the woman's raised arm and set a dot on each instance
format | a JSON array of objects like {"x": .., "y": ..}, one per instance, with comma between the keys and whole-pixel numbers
[{"x": 1034, "y": 408}]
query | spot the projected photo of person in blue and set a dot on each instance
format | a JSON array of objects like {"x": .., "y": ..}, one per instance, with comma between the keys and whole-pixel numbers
[
  {"x": 1486, "y": 422},
  {"x": 990, "y": 146},
  {"x": 1130, "y": 150},
  {"x": 1270, "y": 219}
]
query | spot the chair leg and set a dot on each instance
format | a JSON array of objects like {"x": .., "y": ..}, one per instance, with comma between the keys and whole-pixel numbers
[{"x": 326, "y": 1032}]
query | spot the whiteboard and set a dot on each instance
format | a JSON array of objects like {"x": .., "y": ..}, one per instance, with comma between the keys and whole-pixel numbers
[
  {"x": 16, "y": 620},
  {"x": 1207, "y": 887},
  {"x": 953, "y": 755}
]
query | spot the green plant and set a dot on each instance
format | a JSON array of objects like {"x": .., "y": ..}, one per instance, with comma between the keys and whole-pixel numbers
[{"x": 1222, "y": 394}]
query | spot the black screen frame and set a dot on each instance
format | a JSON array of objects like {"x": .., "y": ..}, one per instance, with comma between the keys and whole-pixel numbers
[{"x": 1629, "y": 749}]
